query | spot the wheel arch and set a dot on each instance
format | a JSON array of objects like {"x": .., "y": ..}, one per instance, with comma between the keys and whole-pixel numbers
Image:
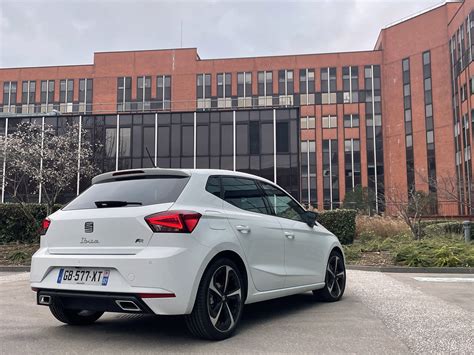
[
  {"x": 226, "y": 250},
  {"x": 232, "y": 255}
]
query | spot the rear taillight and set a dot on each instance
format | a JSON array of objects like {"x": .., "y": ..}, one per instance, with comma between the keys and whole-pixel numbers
[
  {"x": 44, "y": 226},
  {"x": 173, "y": 221}
]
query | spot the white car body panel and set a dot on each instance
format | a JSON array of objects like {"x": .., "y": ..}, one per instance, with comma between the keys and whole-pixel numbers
[{"x": 275, "y": 265}]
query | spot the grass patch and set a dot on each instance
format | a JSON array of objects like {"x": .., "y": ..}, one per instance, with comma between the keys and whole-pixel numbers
[
  {"x": 431, "y": 251},
  {"x": 17, "y": 254}
]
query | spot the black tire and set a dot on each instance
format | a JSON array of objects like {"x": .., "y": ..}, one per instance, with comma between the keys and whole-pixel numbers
[
  {"x": 335, "y": 281},
  {"x": 218, "y": 306},
  {"x": 73, "y": 316}
]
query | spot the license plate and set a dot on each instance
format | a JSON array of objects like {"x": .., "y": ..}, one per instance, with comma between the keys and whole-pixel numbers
[{"x": 83, "y": 276}]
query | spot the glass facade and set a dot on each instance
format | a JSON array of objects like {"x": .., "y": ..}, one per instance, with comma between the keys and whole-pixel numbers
[
  {"x": 260, "y": 142},
  {"x": 429, "y": 123},
  {"x": 410, "y": 159},
  {"x": 330, "y": 174},
  {"x": 373, "y": 121}
]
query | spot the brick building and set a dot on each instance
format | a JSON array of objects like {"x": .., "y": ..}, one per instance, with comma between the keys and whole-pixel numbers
[{"x": 396, "y": 118}]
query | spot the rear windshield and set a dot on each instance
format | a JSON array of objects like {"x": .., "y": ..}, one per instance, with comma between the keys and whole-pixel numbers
[{"x": 130, "y": 193}]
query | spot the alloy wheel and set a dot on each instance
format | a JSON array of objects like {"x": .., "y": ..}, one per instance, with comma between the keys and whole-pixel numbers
[
  {"x": 224, "y": 298},
  {"x": 335, "y": 276}
]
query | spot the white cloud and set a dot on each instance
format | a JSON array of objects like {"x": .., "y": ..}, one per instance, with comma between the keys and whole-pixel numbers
[{"x": 68, "y": 32}]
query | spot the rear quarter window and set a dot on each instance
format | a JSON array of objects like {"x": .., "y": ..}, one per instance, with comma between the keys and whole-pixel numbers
[{"x": 142, "y": 192}]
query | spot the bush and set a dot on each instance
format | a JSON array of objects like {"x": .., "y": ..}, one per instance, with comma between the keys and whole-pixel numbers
[
  {"x": 436, "y": 251},
  {"x": 21, "y": 223},
  {"x": 439, "y": 229},
  {"x": 384, "y": 227},
  {"x": 340, "y": 222}
]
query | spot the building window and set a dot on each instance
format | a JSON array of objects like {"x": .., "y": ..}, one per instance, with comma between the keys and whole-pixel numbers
[
  {"x": 163, "y": 92},
  {"x": 429, "y": 122},
  {"x": 308, "y": 173},
  {"x": 351, "y": 121},
  {"x": 265, "y": 88},
  {"x": 124, "y": 93},
  {"x": 350, "y": 83},
  {"x": 9, "y": 96},
  {"x": 28, "y": 97},
  {"x": 307, "y": 86},
  {"x": 328, "y": 85},
  {"x": 308, "y": 122},
  {"x": 144, "y": 93},
  {"x": 330, "y": 174},
  {"x": 66, "y": 95},
  {"x": 244, "y": 89},
  {"x": 224, "y": 90},
  {"x": 47, "y": 96},
  {"x": 329, "y": 121},
  {"x": 203, "y": 83},
  {"x": 85, "y": 95},
  {"x": 464, "y": 93},
  {"x": 352, "y": 163},
  {"x": 285, "y": 87}
]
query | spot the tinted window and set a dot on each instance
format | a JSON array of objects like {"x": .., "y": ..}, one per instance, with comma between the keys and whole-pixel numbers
[
  {"x": 281, "y": 204},
  {"x": 244, "y": 194},
  {"x": 159, "y": 189},
  {"x": 214, "y": 186}
]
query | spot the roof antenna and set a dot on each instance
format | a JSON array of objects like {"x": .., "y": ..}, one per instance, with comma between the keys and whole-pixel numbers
[{"x": 149, "y": 156}]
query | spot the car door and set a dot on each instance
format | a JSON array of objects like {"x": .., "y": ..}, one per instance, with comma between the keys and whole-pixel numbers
[
  {"x": 304, "y": 245},
  {"x": 258, "y": 232}
]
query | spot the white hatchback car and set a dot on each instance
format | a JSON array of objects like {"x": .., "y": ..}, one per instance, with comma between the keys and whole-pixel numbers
[{"x": 201, "y": 243}]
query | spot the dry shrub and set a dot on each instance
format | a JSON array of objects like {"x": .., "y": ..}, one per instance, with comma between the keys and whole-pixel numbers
[{"x": 384, "y": 227}]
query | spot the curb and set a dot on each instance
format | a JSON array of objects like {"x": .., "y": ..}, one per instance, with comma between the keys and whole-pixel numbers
[
  {"x": 404, "y": 269},
  {"x": 15, "y": 268}
]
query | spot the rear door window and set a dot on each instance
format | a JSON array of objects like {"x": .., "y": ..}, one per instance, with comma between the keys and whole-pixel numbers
[
  {"x": 244, "y": 194},
  {"x": 130, "y": 192}
]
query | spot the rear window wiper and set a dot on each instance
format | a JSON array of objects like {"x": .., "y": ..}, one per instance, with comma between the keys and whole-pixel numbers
[{"x": 105, "y": 204}]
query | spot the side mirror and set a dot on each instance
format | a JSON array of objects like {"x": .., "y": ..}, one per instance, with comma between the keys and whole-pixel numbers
[{"x": 310, "y": 218}]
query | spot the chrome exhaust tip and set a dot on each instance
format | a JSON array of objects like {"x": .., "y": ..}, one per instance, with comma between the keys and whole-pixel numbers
[
  {"x": 44, "y": 300},
  {"x": 128, "y": 306}
]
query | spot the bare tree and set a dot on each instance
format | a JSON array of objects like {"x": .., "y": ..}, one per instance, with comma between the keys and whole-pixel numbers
[
  {"x": 410, "y": 206},
  {"x": 43, "y": 160},
  {"x": 449, "y": 190}
]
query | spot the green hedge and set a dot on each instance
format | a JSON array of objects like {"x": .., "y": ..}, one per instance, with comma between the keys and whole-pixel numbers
[
  {"x": 21, "y": 223},
  {"x": 341, "y": 222}
]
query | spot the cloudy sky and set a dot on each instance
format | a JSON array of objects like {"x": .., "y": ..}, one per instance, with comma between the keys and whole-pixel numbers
[{"x": 55, "y": 32}]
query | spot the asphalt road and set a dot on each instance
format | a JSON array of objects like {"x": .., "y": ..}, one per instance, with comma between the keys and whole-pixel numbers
[{"x": 380, "y": 313}]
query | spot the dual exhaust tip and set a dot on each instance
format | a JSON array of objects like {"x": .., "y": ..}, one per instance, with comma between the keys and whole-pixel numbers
[{"x": 125, "y": 305}]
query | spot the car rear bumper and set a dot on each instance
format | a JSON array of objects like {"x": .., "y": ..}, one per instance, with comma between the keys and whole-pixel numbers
[
  {"x": 166, "y": 277},
  {"x": 94, "y": 301}
]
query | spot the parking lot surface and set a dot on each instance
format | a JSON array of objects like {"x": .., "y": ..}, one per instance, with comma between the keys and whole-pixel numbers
[{"x": 380, "y": 313}]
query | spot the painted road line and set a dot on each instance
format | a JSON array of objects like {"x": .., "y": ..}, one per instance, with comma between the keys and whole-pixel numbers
[{"x": 444, "y": 279}]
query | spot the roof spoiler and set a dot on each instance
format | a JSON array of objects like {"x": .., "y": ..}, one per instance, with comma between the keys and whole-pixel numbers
[{"x": 137, "y": 173}]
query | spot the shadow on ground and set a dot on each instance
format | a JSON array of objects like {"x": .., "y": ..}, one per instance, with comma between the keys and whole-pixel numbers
[{"x": 172, "y": 328}]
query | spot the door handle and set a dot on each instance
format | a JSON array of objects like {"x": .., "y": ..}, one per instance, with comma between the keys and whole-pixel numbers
[
  {"x": 243, "y": 229},
  {"x": 289, "y": 235}
]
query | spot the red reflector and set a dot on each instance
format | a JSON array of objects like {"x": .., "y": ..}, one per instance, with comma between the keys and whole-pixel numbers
[
  {"x": 34, "y": 289},
  {"x": 44, "y": 226},
  {"x": 156, "y": 295},
  {"x": 173, "y": 221}
]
